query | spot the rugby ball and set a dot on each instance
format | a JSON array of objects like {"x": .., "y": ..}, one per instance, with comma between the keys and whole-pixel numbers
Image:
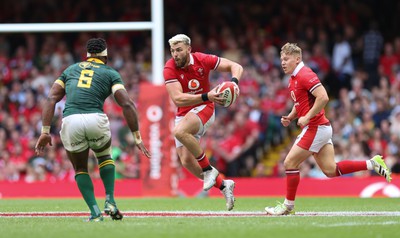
[{"x": 230, "y": 91}]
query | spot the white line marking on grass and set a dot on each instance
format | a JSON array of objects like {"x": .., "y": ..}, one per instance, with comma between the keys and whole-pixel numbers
[
  {"x": 200, "y": 214},
  {"x": 348, "y": 213},
  {"x": 368, "y": 223}
]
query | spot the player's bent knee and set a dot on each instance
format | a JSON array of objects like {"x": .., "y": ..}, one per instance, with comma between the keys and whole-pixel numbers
[
  {"x": 186, "y": 162},
  {"x": 180, "y": 135},
  {"x": 176, "y": 132},
  {"x": 290, "y": 165},
  {"x": 329, "y": 173}
]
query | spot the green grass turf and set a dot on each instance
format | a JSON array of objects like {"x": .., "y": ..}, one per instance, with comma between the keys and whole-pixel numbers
[{"x": 232, "y": 227}]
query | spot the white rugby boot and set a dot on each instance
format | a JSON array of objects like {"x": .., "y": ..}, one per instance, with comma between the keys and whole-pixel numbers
[
  {"x": 210, "y": 177},
  {"x": 280, "y": 210},
  {"x": 228, "y": 194}
]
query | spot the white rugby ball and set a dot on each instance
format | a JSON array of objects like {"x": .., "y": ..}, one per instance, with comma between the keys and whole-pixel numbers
[{"x": 230, "y": 91}]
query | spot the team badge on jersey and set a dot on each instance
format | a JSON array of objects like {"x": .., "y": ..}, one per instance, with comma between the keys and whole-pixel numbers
[
  {"x": 201, "y": 71},
  {"x": 293, "y": 96}
]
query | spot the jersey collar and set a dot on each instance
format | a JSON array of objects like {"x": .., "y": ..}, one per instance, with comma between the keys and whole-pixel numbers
[
  {"x": 297, "y": 69},
  {"x": 191, "y": 60},
  {"x": 95, "y": 60}
]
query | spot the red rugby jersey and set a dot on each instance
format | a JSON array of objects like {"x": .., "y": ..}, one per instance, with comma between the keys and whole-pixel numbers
[
  {"x": 301, "y": 86},
  {"x": 194, "y": 78}
]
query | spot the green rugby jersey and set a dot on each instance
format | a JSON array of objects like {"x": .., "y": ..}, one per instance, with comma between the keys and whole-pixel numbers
[{"x": 87, "y": 85}]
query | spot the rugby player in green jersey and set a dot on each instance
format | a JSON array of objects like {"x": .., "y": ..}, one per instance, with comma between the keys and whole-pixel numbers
[{"x": 85, "y": 126}]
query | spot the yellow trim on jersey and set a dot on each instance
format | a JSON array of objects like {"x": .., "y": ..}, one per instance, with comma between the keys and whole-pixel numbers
[
  {"x": 117, "y": 87},
  {"x": 60, "y": 82},
  {"x": 95, "y": 60}
]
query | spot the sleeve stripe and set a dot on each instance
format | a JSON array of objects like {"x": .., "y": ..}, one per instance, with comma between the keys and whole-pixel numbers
[
  {"x": 314, "y": 87},
  {"x": 171, "y": 81},
  {"x": 117, "y": 87},
  {"x": 217, "y": 64},
  {"x": 60, "y": 82}
]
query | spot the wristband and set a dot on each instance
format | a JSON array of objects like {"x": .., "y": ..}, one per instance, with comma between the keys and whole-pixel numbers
[
  {"x": 45, "y": 130},
  {"x": 235, "y": 80},
  {"x": 137, "y": 138},
  {"x": 204, "y": 97}
]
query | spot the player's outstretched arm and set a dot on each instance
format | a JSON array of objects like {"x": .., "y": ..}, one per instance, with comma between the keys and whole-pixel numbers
[
  {"x": 131, "y": 117},
  {"x": 57, "y": 92}
]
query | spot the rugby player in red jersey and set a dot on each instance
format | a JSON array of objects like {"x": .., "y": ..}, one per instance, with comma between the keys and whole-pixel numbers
[
  {"x": 310, "y": 98},
  {"x": 186, "y": 77}
]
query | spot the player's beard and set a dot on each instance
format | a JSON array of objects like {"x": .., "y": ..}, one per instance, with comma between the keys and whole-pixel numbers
[{"x": 180, "y": 63}]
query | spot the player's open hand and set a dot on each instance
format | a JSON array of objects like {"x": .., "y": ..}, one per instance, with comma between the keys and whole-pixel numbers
[
  {"x": 144, "y": 150},
  {"x": 43, "y": 140},
  {"x": 215, "y": 96}
]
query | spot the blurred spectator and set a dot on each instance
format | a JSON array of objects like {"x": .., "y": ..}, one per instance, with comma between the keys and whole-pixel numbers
[
  {"x": 388, "y": 62},
  {"x": 373, "y": 43},
  {"x": 342, "y": 64},
  {"x": 61, "y": 58}
]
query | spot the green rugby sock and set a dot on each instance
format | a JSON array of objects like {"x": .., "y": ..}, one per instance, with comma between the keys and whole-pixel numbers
[
  {"x": 85, "y": 186},
  {"x": 107, "y": 174}
]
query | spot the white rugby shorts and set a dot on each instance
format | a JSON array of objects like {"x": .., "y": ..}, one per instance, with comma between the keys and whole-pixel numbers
[
  {"x": 206, "y": 115},
  {"x": 313, "y": 138},
  {"x": 82, "y": 131}
]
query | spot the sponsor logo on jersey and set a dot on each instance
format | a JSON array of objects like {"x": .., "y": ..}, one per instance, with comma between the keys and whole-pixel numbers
[
  {"x": 193, "y": 84},
  {"x": 84, "y": 65}
]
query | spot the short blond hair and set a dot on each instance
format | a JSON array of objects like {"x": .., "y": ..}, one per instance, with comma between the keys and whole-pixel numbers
[
  {"x": 291, "y": 49},
  {"x": 180, "y": 38}
]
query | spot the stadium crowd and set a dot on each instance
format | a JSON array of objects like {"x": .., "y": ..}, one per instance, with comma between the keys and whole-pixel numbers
[{"x": 354, "y": 46}]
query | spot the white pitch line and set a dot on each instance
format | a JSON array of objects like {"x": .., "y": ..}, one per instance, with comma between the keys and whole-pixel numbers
[
  {"x": 200, "y": 214},
  {"x": 359, "y": 223}
]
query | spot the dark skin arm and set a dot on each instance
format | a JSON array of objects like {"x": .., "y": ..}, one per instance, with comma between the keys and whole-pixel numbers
[
  {"x": 57, "y": 92},
  {"x": 130, "y": 114}
]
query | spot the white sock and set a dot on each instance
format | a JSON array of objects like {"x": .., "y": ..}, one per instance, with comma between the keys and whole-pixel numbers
[
  {"x": 370, "y": 164},
  {"x": 289, "y": 204}
]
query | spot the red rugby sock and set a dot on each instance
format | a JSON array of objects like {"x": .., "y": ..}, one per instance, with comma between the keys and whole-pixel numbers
[
  {"x": 203, "y": 161},
  {"x": 292, "y": 182},
  {"x": 218, "y": 182},
  {"x": 347, "y": 167}
]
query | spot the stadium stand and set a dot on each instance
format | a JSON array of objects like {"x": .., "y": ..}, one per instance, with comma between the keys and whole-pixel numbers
[{"x": 365, "y": 98}]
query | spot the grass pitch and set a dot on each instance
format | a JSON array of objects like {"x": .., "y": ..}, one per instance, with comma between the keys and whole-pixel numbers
[{"x": 317, "y": 217}]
